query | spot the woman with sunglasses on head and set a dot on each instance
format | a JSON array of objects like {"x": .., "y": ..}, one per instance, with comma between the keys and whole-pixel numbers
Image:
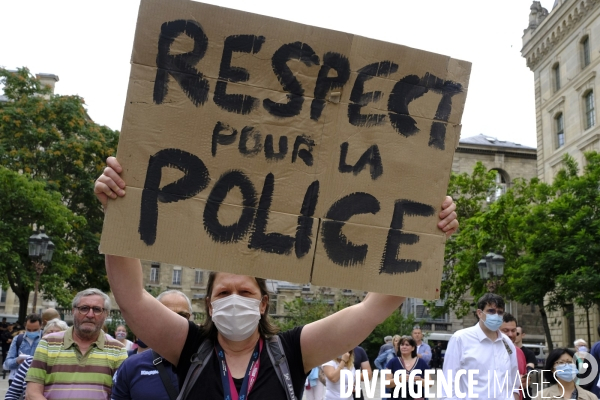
[
  {"x": 237, "y": 324},
  {"x": 408, "y": 361},
  {"x": 562, "y": 378},
  {"x": 333, "y": 371}
]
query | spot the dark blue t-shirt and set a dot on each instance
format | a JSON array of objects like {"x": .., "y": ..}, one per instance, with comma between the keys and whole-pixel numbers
[{"x": 138, "y": 379}]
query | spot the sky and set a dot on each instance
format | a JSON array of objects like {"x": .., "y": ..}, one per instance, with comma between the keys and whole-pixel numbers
[{"x": 88, "y": 45}]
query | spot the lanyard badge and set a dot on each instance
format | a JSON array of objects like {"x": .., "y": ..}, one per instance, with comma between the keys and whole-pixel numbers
[{"x": 229, "y": 390}]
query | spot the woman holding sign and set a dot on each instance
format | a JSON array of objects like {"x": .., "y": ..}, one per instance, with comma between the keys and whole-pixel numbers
[{"x": 239, "y": 360}]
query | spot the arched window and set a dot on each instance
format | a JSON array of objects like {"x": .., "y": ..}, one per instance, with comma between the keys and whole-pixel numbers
[
  {"x": 585, "y": 51},
  {"x": 559, "y": 126},
  {"x": 556, "y": 76},
  {"x": 502, "y": 181},
  {"x": 590, "y": 115}
]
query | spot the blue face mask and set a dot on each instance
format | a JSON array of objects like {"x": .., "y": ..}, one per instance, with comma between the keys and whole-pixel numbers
[
  {"x": 566, "y": 372},
  {"x": 493, "y": 322},
  {"x": 32, "y": 335}
]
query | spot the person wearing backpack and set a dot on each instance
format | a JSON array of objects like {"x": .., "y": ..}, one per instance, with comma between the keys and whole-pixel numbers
[
  {"x": 238, "y": 350},
  {"x": 23, "y": 345}
]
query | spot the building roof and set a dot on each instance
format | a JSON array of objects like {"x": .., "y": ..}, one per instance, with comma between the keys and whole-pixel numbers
[{"x": 486, "y": 140}]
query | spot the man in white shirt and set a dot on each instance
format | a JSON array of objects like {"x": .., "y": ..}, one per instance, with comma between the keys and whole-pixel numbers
[{"x": 485, "y": 349}]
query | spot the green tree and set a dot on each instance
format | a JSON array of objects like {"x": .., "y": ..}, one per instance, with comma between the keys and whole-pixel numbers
[
  {"x": 576, "y": 208},
  {"x": 395, "y": 324},
  {"x": 515, "y": 224},
  {"x": 26, "y": 202},
  {"x": 52, "y": 139},
  {"x": 469, "y": 192},
  {"x": 301, "y": 311}
]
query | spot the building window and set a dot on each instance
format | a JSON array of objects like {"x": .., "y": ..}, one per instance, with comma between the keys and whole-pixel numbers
[
  {"x": 177, "y": 276},
  {"x": 556, "y": 76},
  {"x": 501, "y": 184},
  {"x": 2, "y": 296},
  {"x": 590, "y": 117},
  {"x": 585, "y": 51},
  {"x": 199, "y": 278},
  {"x": 560, "y": 130},
  {"x": 272, "y": 307},
  {"x": 154, "y": 273}
]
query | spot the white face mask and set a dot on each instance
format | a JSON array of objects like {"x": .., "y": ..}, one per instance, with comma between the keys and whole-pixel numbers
[{"x": 236, "y": 317}]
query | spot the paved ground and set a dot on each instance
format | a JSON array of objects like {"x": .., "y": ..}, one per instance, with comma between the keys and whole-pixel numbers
[{"x": 3, "y": 386}]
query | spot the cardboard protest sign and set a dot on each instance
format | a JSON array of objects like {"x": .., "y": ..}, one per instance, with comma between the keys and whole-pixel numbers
[{"x": 263, "y": 147}]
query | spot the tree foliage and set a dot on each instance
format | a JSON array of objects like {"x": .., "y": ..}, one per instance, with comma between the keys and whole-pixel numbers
[
  {"x": 51, "y": 139},
  {"x": 26, "y": 202},
  {"x": 301, "y": 311},
  {"x": 469, "y": 192},
  {"x": 549, "y": 235}
]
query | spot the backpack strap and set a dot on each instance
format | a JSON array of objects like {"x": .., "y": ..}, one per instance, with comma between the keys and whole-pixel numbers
[
  {"x": 20, "y": 337},
  {"x": 198, "y": 362},
  {"x": 280, "y": 364},
  {"x": 157, "y": 361}
]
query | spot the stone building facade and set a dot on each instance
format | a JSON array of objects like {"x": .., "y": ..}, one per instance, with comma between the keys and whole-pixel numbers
[{"x": 562, "y": 49}]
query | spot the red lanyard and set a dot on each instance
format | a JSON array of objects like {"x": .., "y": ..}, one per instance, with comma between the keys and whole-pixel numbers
[{"x": 229, "y": 390}]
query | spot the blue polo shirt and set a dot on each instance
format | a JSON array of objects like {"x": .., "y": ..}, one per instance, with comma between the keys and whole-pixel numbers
[{"x": 138, "y": 379}]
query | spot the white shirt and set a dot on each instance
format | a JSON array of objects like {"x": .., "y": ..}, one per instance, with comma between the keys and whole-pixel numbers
[
  {"x": 470, "y": 349},
  {"x": 333, "y": 388}
]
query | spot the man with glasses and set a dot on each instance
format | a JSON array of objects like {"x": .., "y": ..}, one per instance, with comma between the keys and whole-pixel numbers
[
  {"x": 484, "y": 348},
  {"x": 80, "y": 362},
  {"x": 147, "y": 376}
]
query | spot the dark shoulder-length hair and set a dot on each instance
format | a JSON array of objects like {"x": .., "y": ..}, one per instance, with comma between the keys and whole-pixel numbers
[
  {"x": 410, "y": 341},
  {"x": 552, "y": 358},
  {"x": 265, "y": 327}
]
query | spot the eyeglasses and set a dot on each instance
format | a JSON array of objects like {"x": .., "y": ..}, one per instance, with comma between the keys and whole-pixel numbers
[
  {"x": 86, "y": 309},
  {"x": 184, "y": 314},
  {"x": 493, "y": 311},
  {"x": 563, "y": 363}
]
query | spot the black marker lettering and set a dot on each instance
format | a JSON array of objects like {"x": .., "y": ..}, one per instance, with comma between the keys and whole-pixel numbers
[
  {"x": 437, "y": 135},
  {"x": 405, "y": 90},
  {"x": 194, "y": 180},
  {"x": 292, "y": 51},
  {"x": 371, "y": 157},
  {"x": 231, "y": 233},
  {"x": 181, "y": 66},
  {"x": 237, "y": 103},
  {"x": 243, "y": 145},
  {"x": 337, "y": 246},
  {"x": 274, "y": 242},
  {"x": 359, "y": 99},
  {"x": 220, "y": 138},
  {"x": 412, "y": 87},
  {"x": 389, "y": 263},
  {"x": 305, "y": 220},
  {"x": 270, "y": 152},
  {"x": 325, "y": 84},
  {"x": 304, "y": 154}
]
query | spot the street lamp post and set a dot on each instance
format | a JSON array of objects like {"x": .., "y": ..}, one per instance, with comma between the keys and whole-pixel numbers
[
  {"x": 491, "y": 269},
  {"x": 41, "y": 250}
]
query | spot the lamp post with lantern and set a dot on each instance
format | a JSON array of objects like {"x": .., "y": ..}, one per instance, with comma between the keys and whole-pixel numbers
[
  {"x": 41, "y": 250},
  {"x": 491, "y": 269}
]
